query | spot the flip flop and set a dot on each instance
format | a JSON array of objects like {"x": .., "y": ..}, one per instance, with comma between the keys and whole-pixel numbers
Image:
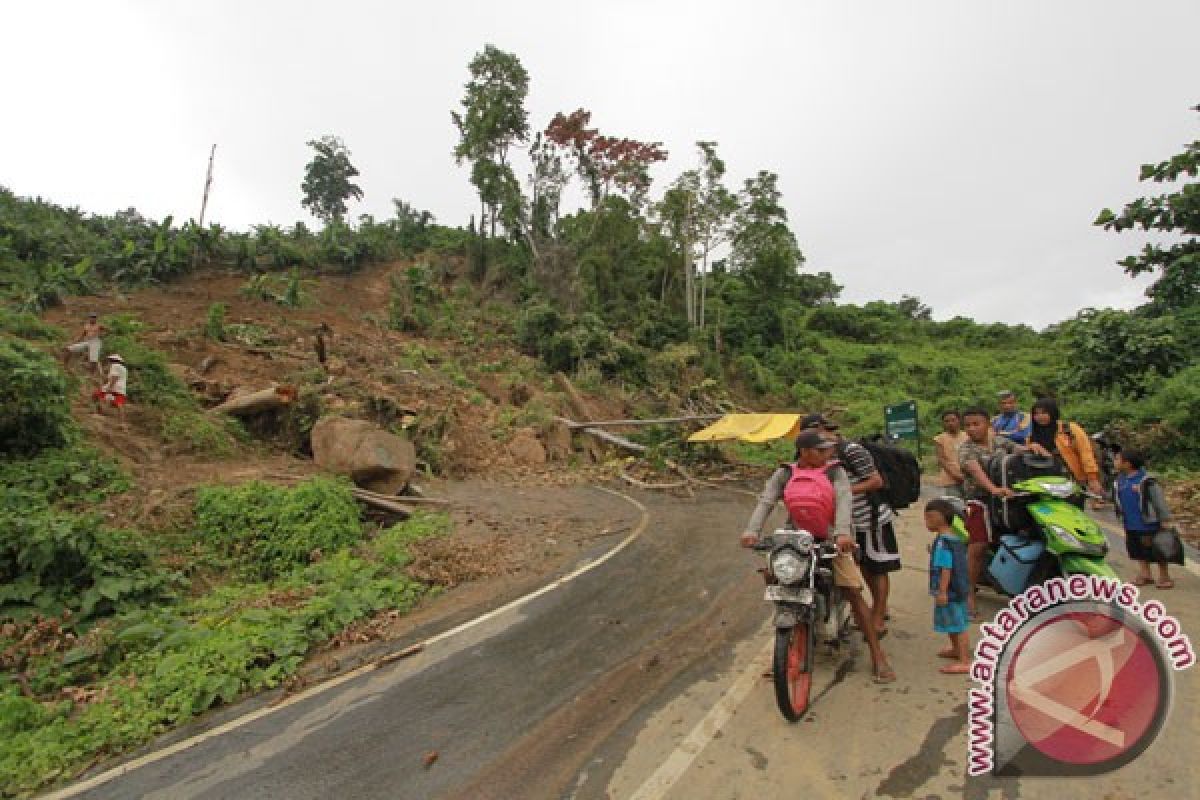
[
  {"x": 947, "y": 654},
  {"x": 955, "y": 669},
  {"x": 1167, "y": 584},
  {"x": 1140, "y": 581},
  {"x": 885, "y": 675}
]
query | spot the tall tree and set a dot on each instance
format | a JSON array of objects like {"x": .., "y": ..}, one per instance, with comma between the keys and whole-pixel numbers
[
  {"x": 764, "y": 250},
  {"x": 715, "y": 212},
  {"x": 605, "y": 162},
  {"x": 327, "y": 184},
  {"x": 493, "y": 119},
  {"x": 1177, "y": 265}
]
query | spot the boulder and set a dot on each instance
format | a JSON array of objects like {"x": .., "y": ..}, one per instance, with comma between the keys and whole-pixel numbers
[
  {"x": 373, "y": 458},
  {"x": 526, "y": 449}
]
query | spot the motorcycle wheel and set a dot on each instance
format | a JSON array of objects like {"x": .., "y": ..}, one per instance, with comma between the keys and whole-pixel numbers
[{"x": 793, "y": 669}]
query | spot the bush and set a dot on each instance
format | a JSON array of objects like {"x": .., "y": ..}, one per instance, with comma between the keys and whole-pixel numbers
[
  {"x": 214, "y": 324},
  {"x": 275, "y": 530},
  {"x": 34, "y": 413},
  {"x": 848, "y": 321}
]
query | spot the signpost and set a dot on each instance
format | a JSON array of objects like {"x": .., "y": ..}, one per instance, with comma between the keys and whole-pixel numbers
[{"x": 900, "y": 422}]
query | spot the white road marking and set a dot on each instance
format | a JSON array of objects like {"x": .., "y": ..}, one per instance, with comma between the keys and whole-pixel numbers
[
  {"x": 671, "y": 770},
  {"x": 234, "y": 724}
]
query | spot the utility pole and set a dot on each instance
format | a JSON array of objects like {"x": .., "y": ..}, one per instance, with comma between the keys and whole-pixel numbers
[{"x": 207, "y": 184}]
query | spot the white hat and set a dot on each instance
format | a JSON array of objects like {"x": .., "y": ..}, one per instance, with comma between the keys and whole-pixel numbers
[{"x": 115, "y": 357}]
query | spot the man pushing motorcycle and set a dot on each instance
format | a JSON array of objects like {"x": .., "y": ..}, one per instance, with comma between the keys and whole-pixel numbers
[{"x": 824, "y": 479}]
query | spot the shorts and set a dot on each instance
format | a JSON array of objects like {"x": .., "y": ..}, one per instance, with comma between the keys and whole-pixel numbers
[
  {"x": 114, "y": 398},
  {"x": 89, "y": 346},
  {"x": 846, "y": 573},
  {"x": 1139, "y": 545},
  {"x": 951, "y": 618},
  {"x": 979, "y": 525},
  {"x": 880, "y": 552}
]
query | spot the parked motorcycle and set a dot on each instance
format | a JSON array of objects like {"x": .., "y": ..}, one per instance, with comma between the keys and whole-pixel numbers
[
  {"x": 808, "y": 608},
  {"x": 1049, "y": 535}
]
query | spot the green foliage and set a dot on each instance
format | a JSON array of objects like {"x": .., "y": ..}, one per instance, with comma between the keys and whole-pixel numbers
[
  {"x": 1119, "y": 350},
  {"x": 1177, "y": 265},
  {"x": 34, "y": 413},
  {"x": 274, "y": 530},
  {"x": 25, "y": 325},
  {"x": 74, "y": 476},
  {"x": 214, "y": 323},
  {"x": 290, "y": 291},
  {"x": 151, "y": 381},
  {"x": 412, "y": 300},
  {"x": 201, "y": 433},
  {"x": 327, "y": 185},
  {"x": 158, "y": 668}
]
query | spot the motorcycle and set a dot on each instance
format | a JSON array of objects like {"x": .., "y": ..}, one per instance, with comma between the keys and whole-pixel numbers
[
  {"x": 808, "y": 604},
  {"x": 1106, "y": 449},
  {"x": 1050, "y": 536}
]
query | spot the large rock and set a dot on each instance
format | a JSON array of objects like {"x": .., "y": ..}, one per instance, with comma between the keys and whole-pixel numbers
[
  {"x": 373, "y": 458},
  {"x": 525, "y": 448}
]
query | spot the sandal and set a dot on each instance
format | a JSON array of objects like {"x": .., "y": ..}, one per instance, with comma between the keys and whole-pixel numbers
[
  {"x": 1167, "y": 584},
  {"x": 1141, "y": 581},
  {"x": 955, "y": 669},
  {"x": 883, "y": 675},
  {"x": 947, "y": 653}
]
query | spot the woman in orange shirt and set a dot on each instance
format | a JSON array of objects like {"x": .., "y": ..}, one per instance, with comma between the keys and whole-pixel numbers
[{"x": 1068, "y": 441}]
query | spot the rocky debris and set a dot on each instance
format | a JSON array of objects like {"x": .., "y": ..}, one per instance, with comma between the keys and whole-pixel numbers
[
  {"x": 526, "y": 449},
  {"x": 373, "y": 458}
]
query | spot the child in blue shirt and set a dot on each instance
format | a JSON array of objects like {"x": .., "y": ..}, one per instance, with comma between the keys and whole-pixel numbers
[{"x": 949, "y": 584}]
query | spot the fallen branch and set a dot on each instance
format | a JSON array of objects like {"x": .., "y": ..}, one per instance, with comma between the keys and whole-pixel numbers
[
  {"x": 612, "y": 438},
  {"x": 620, "y": 423},
  {"x": 377, "y": 501},
  {"x": 632, "y": 481},
  {"x": 391, "y": 658}
]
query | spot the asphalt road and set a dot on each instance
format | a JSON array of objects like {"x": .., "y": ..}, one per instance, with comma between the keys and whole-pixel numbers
[{"x": 642, "y": 678}]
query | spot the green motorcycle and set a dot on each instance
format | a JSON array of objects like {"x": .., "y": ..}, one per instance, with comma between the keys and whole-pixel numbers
[{"x": 1053, "y": 537}]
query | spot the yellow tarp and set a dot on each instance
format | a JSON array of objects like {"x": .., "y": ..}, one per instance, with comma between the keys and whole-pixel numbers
[{"x": 749, "y": 428}]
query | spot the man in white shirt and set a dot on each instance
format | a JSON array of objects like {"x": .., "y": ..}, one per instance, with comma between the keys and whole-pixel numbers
[{"x": 113, "y": 391}]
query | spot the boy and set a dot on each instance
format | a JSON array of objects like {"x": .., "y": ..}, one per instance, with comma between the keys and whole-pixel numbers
[
  {"x": 89, "y": 342},
  {"x": 1142, "y": 508},
  {"x": 949, "y": 585}
]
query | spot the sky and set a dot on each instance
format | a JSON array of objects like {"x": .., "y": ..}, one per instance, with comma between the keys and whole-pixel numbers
[{"x": 953, "y": 150}]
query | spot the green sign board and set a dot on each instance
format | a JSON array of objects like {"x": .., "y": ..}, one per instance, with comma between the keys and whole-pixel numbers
[{"x": 900, "y": 420}]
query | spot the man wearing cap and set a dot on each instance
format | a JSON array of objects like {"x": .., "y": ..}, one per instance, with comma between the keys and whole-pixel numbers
[
  {"x": 813, "y": 451},
  {"x": 1011, "y": 423},
  {"x": 113, "y": 390},
  {"x": 89, "y": 342},
  {"x": 873, "y": 518}
]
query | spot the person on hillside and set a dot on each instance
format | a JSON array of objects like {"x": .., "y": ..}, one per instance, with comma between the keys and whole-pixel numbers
[
  {"x": 949, "y": 584},
  {"x": 112, "y": 393},
  {"x": 89, "y": 342},
  {"x": 974, "y": 455},
  {"x": 813, "y": 451},
  {"x": 950, "y": 477},
  {"x": 1010, "y": 422},
  {"x": 873, "y": 518},
  {"x": 1066, "y": 441},
  {"x": 1141, "y": 505}
]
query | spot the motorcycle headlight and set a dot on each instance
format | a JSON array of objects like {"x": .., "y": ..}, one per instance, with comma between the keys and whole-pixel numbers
[
  {"x": 787, "y": 566},
  {"x": 1068, "y": 537}
]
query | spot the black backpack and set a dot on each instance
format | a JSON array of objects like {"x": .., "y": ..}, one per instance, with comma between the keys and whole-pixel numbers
[{"x": 900, "y": 470}]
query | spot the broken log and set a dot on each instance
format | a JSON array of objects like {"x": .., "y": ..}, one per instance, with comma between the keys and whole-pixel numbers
[
  {"x": 379, "y": 502},
  {"x": 614, "y": 439},
  {"x": 255, "y": 402},
  {"x": 620, "y": 423}
]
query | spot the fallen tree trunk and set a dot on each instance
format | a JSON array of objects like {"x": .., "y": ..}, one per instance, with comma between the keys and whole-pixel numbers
[
  {"x": 241, "y": 405},
  {"x": 378, "y": 501},
  {"x": 614, "y": 439},
  {"x": 620, "y": 423}
]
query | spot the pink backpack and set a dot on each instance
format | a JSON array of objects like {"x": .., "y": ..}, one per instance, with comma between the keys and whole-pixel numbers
[{"x": 809, "y": 498}]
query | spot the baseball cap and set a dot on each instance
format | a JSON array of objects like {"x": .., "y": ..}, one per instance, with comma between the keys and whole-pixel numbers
[
  {"x": 812, "y": 440},
  {"x": 817, "y": 421}
]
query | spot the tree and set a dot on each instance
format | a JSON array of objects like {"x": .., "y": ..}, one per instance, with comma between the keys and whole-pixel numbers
[
  {"x": 715, "y": 212},
  {"x": 327, "y": 184},
  {"x": 1177, "y": 265},
  {"x": 765, "y": 251},
  {"x": 605, "y": 162},
  {"x": 1120, "y": 350},
  {"x": 493, "y": 119}
]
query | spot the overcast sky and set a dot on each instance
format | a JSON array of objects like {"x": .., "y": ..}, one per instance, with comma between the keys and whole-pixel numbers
[{"x": 954, "y": 150}]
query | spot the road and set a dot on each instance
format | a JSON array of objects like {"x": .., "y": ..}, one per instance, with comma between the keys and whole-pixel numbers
[{"x": 640, "y": 678}]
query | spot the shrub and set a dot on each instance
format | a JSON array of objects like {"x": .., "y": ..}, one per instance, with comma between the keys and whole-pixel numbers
[
  {"x": 214, "y": 324},
  {"x": 34, "y": 413},
  {"x": 275, "y": 530},
  {"x": 849, "y": 321}
]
